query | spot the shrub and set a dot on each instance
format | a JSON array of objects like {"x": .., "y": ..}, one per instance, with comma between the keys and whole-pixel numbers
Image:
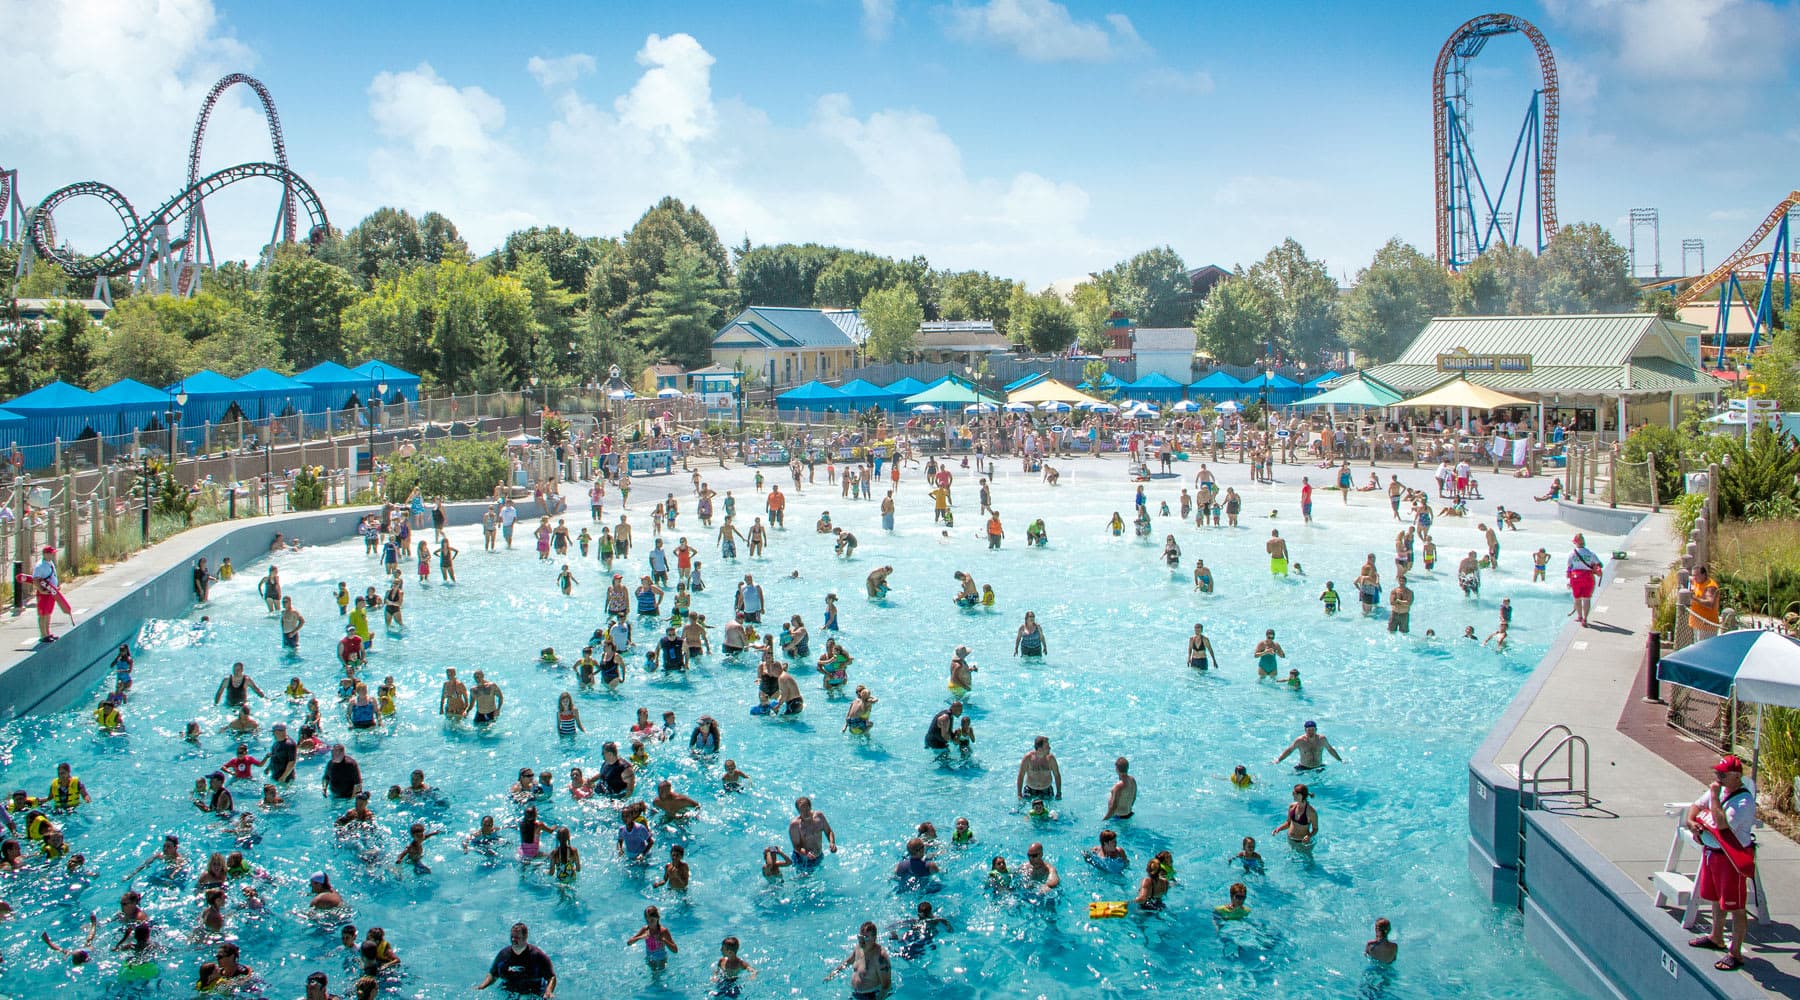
[
  {"x": 449, "y": 468},
  {"x": 308, "y": 492},
  {"x": 1780, "y": 760},
  {"x": 554, "y": 429},
  {"x": 173, "y": 499},
  {"x": 1758, "y": 566},
  {"x": 1670, "y": 449},
  {"x": 1687, "y": 510},
  {"x": 1762, "y": 470}
]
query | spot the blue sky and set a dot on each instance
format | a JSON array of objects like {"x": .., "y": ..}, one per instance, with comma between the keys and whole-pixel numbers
[{"x": 1036, "y": 139}]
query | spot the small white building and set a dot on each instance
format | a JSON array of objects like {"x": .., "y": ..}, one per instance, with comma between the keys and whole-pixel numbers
[{"x": 1166, "y": 350}]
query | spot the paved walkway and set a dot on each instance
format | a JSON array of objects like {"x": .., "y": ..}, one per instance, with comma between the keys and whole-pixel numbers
[{"x": 1593, "y": 689}]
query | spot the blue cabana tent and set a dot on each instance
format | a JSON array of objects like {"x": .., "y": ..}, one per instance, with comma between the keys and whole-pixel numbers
[
  {"x": 861, "y": 395},
  {"x": 1154, "y": 386},
  {"x": 1033, "y": 379},
  {"x": 214, "y": 399},
  {"x": 1108, "y": 382},
  {"x": 1219, "y": 386},
  {"x": 402, "y": 385},
  {"x": 140, "y": 407},
  {"x": 1319, "y": 383},
  {"x": 334, "y": 387},
  {"x": 12, "y": 426},
  {"x": 278, "y": 395},
  {"x": 908, "y": 386},
  {"x": 1281, "y": 388},
  {"x": 813, "y": 397},
  {"x": 59, "y": 412}
]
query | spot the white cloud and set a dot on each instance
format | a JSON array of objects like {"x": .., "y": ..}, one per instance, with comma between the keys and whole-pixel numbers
[
  {"x": 1181, "y": 83},
  {"x": 1687, "y": 40},
  {"x": 673, "y": 99},
  {"x": 560, "y": 71},
  {"x": 877, "y": 18},
  {"x": 1041, "y": 30},
  {"x": 431, "y": 115}
]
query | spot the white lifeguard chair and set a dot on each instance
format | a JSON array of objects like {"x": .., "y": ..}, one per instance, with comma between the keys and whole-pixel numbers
[{"x": 1674, "y": 887}]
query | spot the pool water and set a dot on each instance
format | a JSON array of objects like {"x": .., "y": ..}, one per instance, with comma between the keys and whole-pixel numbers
[{"x": 1405, "y": 712}]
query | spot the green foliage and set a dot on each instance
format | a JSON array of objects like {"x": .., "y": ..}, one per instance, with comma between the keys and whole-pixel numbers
[
  {"x": 1501, "y": 282},
  {"x": 1091, "y": 309},
  {"x": 437, "y": 319},
  {"x": 308, "y": 491},
  {"x": 1777, "y": 367},
  {"x": 851, "y": 276},
  {"x": 1304, "y": 294},
  {"x": 679, "y": 317},
  {"x": 449, "y": 468},
  {"x": 1762, "y": 470},
  {"x": 555, "y": 429},
  {"x": 1394, "y": 298},
  {"x": 625, "y": 279},
  {"x": 1152, "y": 288},
  {"x": 1758, "y": 566},
  {"x": 1046, "y": 324},
  {"x": 569, "y": 258},
  {"x": 1660, "y": 301},
  {"x": 974, "y": 295},
  {"x": 1585, "y": 270},
  {"x": 439, "y": 241},
  {"x": 139, "y": 346},
  {"x": 69, "y": 338},
  {"x": 385, "y": 244},
  {"x": 1670, "y": 449},
  {"x": 45, "y": 281},
  {"x": 171, "y": 498},
  {"x": 1235, "y": 321},
  {"x": 305, "y": 299},
  {"x": 1687, "y": 508},
  {"x": 1779, "y": 760},
  {"x": 1091, "y": 374},
  {"x": 893, "y": 316},
  {"x": 783, "y": 274}
]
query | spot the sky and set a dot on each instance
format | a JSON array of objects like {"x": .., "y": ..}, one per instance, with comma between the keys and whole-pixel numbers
[{"x": 1036, "y": 139}]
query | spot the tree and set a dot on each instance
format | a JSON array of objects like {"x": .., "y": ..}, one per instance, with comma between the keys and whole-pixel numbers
[
  {"x": 553, "y": 315},
  {"x": 305, "y": 300},
  {"x": 439, "y": 241},
  {"x": 625, "y": 279},
  {"x": 1777, "y": 366},
  {"x": 569, "y": 257},
  {"x": 493, "y": 369},
  {"x": 69, "y": 337},
  {"x": 1235, "y": 321},
  {"x": 1585, "y": 270},
  {"x": 384, "y": 244},
  {"x": 435, "y": 319},
  {"x": 976, "y": 295},
  {"x": 851, "y": 276},
  {"x": 1091, "y": 309},
  {"x": 782, "y": 274},
  {"x": 1503, "y": 281},
  {"x": 600, "y": 344},
  {"x": 1394, "y": 298},
  {"x": 1152, "y": 288},
  {"x": 1660, "y": 301},
  {"x": 140, "y": 346},
  {"x": 1092, "y": 375},
  {"x": 1305, "y": 297},
  {"x": 686, "y": 308},
  {"x": 893, "y": 315},
  {"x": 1047, "y": 324}
]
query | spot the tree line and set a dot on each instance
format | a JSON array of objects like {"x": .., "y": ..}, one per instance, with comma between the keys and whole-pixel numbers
[{"x": 565, "y": 307}]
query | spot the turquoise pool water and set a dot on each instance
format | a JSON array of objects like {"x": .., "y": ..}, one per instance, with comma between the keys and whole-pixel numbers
[{"x": 1405, "y": 712}]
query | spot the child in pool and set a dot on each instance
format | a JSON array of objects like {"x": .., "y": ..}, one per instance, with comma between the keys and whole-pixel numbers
[
  {"x": 638, "y": 757},
  {"x": 387, "y": 695},
  {"x": 1252, "y": 861},
  {"x": 730, "y": 966},
  {"x": 295, "y": 689},
  {"x": 655, "y": 936},
  {"x": 675, "y": 873},
  {"x": 733, "y": 778},
  {"x": 226, "y": 572},
  {"x": 963, "y": 834},
  {"x": 1240, "y": 777},
  {"x": 987, "y": 595},
  {"x": 1293, "y": 680},
  {"x": 774, "y": 861},
  {"x": 1116, "y": 525},
  {"x": 1236, "y": 909},
  {"x": 1430, "y": 554},
  {"x": 999, "y": 877},
  {"x": 1329, "y": 598},
  {"x": 1039, "y": 811},
  {"x": 565, "y": 581},
  {"x": 1539, "y": 560},
  {"x": 548, "y": 655}
]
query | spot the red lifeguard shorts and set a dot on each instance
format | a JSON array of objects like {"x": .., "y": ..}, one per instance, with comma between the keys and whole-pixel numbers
[{"x": 1719, "y": 881}]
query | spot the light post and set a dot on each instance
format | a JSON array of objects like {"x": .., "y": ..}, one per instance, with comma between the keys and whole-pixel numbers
[
  {"x": 178, "y": 398},
  {"x": 545, "y": 406},
  {"x": 738, "y": 391},
  {"x": 378, "y": 385}
]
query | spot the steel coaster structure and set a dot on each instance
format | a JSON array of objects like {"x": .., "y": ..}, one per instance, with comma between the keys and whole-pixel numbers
[
  {"x": 1725, "y": 278},
  {"x": 1471, "y": 216},
  {"x": 197, "y": 244},
  {"x": 146, "y": 249},
  {"x": 12, "y": 209}
]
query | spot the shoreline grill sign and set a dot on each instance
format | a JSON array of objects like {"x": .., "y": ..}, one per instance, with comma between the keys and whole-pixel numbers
[{"x": 1461, "y": 361}]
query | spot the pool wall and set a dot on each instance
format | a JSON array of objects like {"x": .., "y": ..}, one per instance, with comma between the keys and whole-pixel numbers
[
  {"x": 157, "y": 584},
  {"x": 1583, "y": 916}
]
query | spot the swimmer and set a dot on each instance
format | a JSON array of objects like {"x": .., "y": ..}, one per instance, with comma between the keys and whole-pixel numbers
[
  {"x": 655, "y": 936},
  {"x": 1293, "y": 680},
  {"x": 1236, "y": 909},
  {"x": 1381, "y": 949},
  {"x": 675, "y": 873},
  {"x": 877, "y": 582},
  {"x": 1247, "y": 856},
  {"x": 1240, "y": 777},
  {"x": 565, "y": 580},
  {"x": 1039, "y": 776},
  {"x": 1329, "y": 598},
  {"x": 1171, "y": 553},
  {"x": 1302, "y": 822},
  {"x": 962, "y": 834},
  {"x": 1498, "y": 638},
  {"x": 1312, "y": 746},
  {"x": 1200, "y": 649},
  {"x": 808, "y": 831},
  {"x": 774, "y": 861},
  {"x": 414, "y": 851},
  {"x": 1277, "y": 548},
  {"x": 729, "y": 967},
  {"x": 962, "y": 673},
  {"x": 1203, "y": 578},
  {"x": 733, "y": 779},
  {"x": 1123, "y": 797},
  {"x": 1029, "y": 640},
  {"x": 1267, "y": 652},
  {"x": 1153, "y": 887}
]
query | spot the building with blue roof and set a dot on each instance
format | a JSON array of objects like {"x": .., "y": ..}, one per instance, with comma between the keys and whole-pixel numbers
[
  {"x": 140, "y": 407},
  {"x": 59, "y": 412},
  {"x": 278, "y": 395},
  {"x": 402, "y": 385},
  {"x": 786, "y": 346}
]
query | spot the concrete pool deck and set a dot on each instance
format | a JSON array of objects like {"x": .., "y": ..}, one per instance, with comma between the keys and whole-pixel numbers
[{"x": 1589, "y": 903}]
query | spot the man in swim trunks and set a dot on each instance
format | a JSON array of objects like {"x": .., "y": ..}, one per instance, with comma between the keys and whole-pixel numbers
[
  {"x": 808, "y": 831},
  {"x": 1267, "y": 652},
  {"x": 1468, "y": 575},
  {"x": 453, "y": 701},
  {"x": 1278, "y": 553},
  {"x": 522, "y": 968},
  {"x": 1039, "y": 776},
  {"x": 1493, "y": 545},
  {"x": 871, "y": 970},
  {"x": 488, "y": 699},
  {"x": 1400, "y": 606},
  {"x": 1394, "y": 492},
  {"x": 787, "y": 691},
  {"x": 1312, "y": 746},
  {"x": 1200, "y": 649},
  {"x": 291, "y": 623},
  {"x": 750, "y": 600},
  {"x": 1123, "y": 797}
]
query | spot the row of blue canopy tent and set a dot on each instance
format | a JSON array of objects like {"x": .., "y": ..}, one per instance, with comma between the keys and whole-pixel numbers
[
  {"x": 817, "y": 398},
  {"x": 60, "y": 412}
]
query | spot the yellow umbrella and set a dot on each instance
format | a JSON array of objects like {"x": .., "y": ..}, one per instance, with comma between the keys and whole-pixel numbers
[
  {"x": 1050, "y": 390},
  {"x": 1459, "y": 391}
]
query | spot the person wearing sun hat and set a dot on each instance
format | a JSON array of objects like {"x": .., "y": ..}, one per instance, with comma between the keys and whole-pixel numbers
[{"x": 1722, "y": 821}]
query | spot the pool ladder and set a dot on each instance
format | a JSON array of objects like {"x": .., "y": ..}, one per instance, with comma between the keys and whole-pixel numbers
[{"x": 1534, "y": 785}]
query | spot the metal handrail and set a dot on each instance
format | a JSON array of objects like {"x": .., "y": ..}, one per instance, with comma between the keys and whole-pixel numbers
[
  {"x": 1571, "y": 742},
  {"x": 1566, "y": 731}
]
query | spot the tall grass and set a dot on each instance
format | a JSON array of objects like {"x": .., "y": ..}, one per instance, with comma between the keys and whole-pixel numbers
[
  {"x": 1780, "y": 761},
  {"x": 1758, "y": 565}
]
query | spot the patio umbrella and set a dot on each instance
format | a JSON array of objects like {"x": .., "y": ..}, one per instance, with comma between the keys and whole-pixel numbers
[
  {"x": 1054, "y": 406},
  {"x": 521, "y": 440},
  {"x": 1229, "y": 406},
  {"x": 980, "y": 408},
  {"x": 1019, "y": 408},
  {"x": 1103, "y": 408},
  {"x": 621, "y": 394},
  {"x": 925, "y": 408},
  {"x": 668, "y": 394},
  {"x": 1753, "y": 665},
  {"x": 1186, "y": 406}
]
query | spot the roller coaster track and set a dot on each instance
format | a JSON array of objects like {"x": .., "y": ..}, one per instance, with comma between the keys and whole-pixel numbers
[
  {"x": 195, "y": 243},
  {"x": 145, "y": 240},
  {"x": 1465, "y": 42},
  {"x": 1745, "y": 255},
  {"x": 12, "y": 209}
]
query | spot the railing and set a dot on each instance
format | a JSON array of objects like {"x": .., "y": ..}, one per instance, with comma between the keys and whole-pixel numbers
[{"x": 1533, "y": 786}]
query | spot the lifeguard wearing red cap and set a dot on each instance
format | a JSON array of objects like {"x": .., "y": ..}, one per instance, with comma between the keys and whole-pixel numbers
[{"x": 1728, "y": 763}]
